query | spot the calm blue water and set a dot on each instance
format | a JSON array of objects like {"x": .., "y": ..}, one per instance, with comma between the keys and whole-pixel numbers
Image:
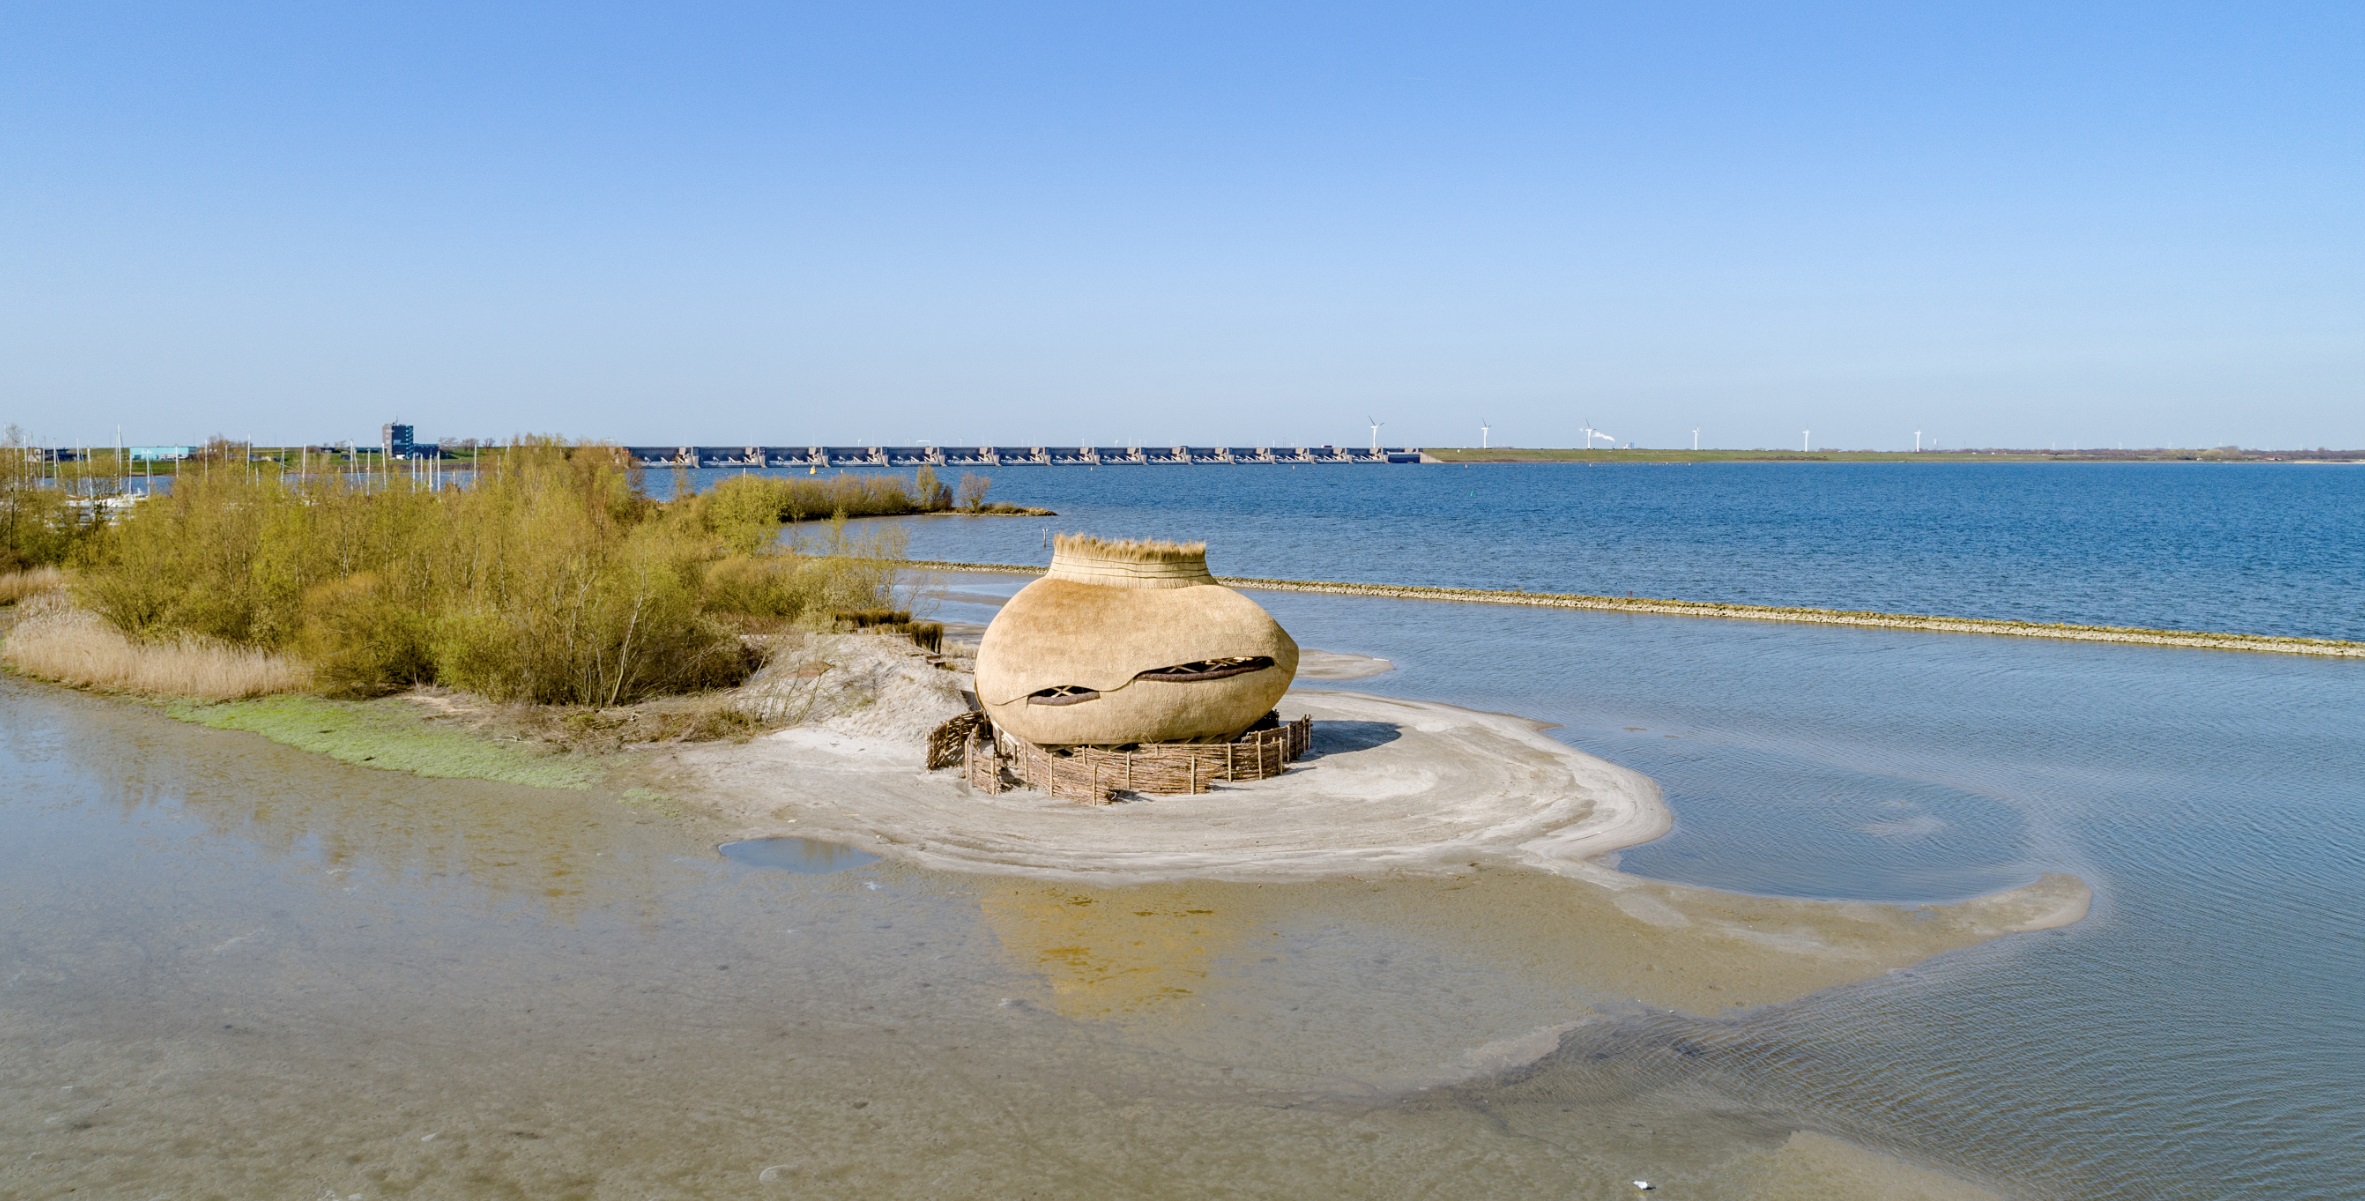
[
  {"x": 2254, "y": 548},
  {"x": 2201, "y": 1035}
]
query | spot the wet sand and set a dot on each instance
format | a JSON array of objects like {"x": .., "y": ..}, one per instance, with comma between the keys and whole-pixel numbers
[{"x": 1390, "y": 785}]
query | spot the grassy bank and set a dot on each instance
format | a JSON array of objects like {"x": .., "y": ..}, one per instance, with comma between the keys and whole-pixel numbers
[{"x": 2196, "y": 639}]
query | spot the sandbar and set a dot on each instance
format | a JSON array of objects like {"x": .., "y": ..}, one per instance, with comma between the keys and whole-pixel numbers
[
  {"x": 1481, "y": 820},
  {"x": 1313, "y": 664},
  {"x": 1391, "y": 785}
]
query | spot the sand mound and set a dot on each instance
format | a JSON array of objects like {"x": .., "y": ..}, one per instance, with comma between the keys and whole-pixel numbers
[
  {"x": 865, "y": 686},
  {"x": 1391, "y": 785}
]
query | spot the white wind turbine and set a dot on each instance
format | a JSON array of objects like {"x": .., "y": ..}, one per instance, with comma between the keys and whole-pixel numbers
[
  {"x": 1483, "y": 428},
  {"x": 1591, "y": 434},
  {"x": 1376, "y": 423}
]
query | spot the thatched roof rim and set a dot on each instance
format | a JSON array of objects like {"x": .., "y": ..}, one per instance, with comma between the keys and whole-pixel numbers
[{"x": 1137, "y": 550}]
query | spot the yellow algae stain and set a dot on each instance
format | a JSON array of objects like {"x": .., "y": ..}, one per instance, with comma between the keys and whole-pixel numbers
[
  {"x": 1698, "y": 950},
  {"x": 1110, "y": 953}
]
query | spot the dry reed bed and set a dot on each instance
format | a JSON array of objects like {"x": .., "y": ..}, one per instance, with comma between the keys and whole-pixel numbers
[
  {"x": 18, "y": 585},
  {"x": 54, "y": 641},
  {"x": 2196, "y": 639}
]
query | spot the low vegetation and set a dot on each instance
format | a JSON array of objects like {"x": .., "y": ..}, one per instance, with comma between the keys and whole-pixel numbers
[
  {"x": 551, "y": 580},
  {"x": 18, "y": 585},
  {"x": 38, "y": 528},
  {"x": 969, "y": 497},
  {"x": 748, "y": 510},
  {"x": 57, "y": 641}
]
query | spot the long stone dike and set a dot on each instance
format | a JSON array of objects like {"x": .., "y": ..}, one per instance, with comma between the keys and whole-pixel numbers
[{"x": 2197, "y": 639}]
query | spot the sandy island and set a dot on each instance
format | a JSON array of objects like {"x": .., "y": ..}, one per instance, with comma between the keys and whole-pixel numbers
[
  {"x": 1504, "y": 823},
  {"x": 1390, "y": 785}
]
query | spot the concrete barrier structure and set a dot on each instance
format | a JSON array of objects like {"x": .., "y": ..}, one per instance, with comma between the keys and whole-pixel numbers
[{"x": 1010, "y": 456}]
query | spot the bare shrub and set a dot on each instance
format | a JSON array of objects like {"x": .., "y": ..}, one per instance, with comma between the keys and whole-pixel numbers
[
  {"x": 805, "y": 585},
  {"x": 56, "y": 641},
  {"x": 929, "y": 494},
  {"x": 970, "y": 496}
]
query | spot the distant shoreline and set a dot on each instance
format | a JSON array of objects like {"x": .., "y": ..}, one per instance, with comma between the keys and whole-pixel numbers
[
  {"x": 2060, "y": 631},
  {"x": 2220, "y": 454}
]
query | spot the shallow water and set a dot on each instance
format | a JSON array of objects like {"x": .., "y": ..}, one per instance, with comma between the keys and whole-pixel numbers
[
  {"x": 231, "y": 969},
  {"x": 228, "y": 969},
  {"x": 2199, "y": 1035},
  {"x": 801, "y": 855}
]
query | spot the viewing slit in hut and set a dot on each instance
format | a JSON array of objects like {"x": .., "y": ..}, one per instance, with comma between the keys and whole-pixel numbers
[{"x": 1126, "y": 668}]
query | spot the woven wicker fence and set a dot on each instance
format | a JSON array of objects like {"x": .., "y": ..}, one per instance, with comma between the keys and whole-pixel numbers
[
  {"x": 949, "y": 743},
  {"x": 993, "y": 761}
]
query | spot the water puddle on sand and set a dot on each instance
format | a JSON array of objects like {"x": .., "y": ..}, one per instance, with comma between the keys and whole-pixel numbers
[{"x": 804, "y": 856}]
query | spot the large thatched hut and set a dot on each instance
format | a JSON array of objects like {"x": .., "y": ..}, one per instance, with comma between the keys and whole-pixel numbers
[{"x": 1131, "y": 642}]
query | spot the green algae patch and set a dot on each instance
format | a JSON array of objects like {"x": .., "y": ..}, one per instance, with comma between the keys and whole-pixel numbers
[
  {"x": 651, "y": 799},
  {"x": 389, "y": 735}
]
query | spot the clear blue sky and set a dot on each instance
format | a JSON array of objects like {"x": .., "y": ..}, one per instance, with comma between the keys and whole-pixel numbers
[{"x": 2000, "y": 224}]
